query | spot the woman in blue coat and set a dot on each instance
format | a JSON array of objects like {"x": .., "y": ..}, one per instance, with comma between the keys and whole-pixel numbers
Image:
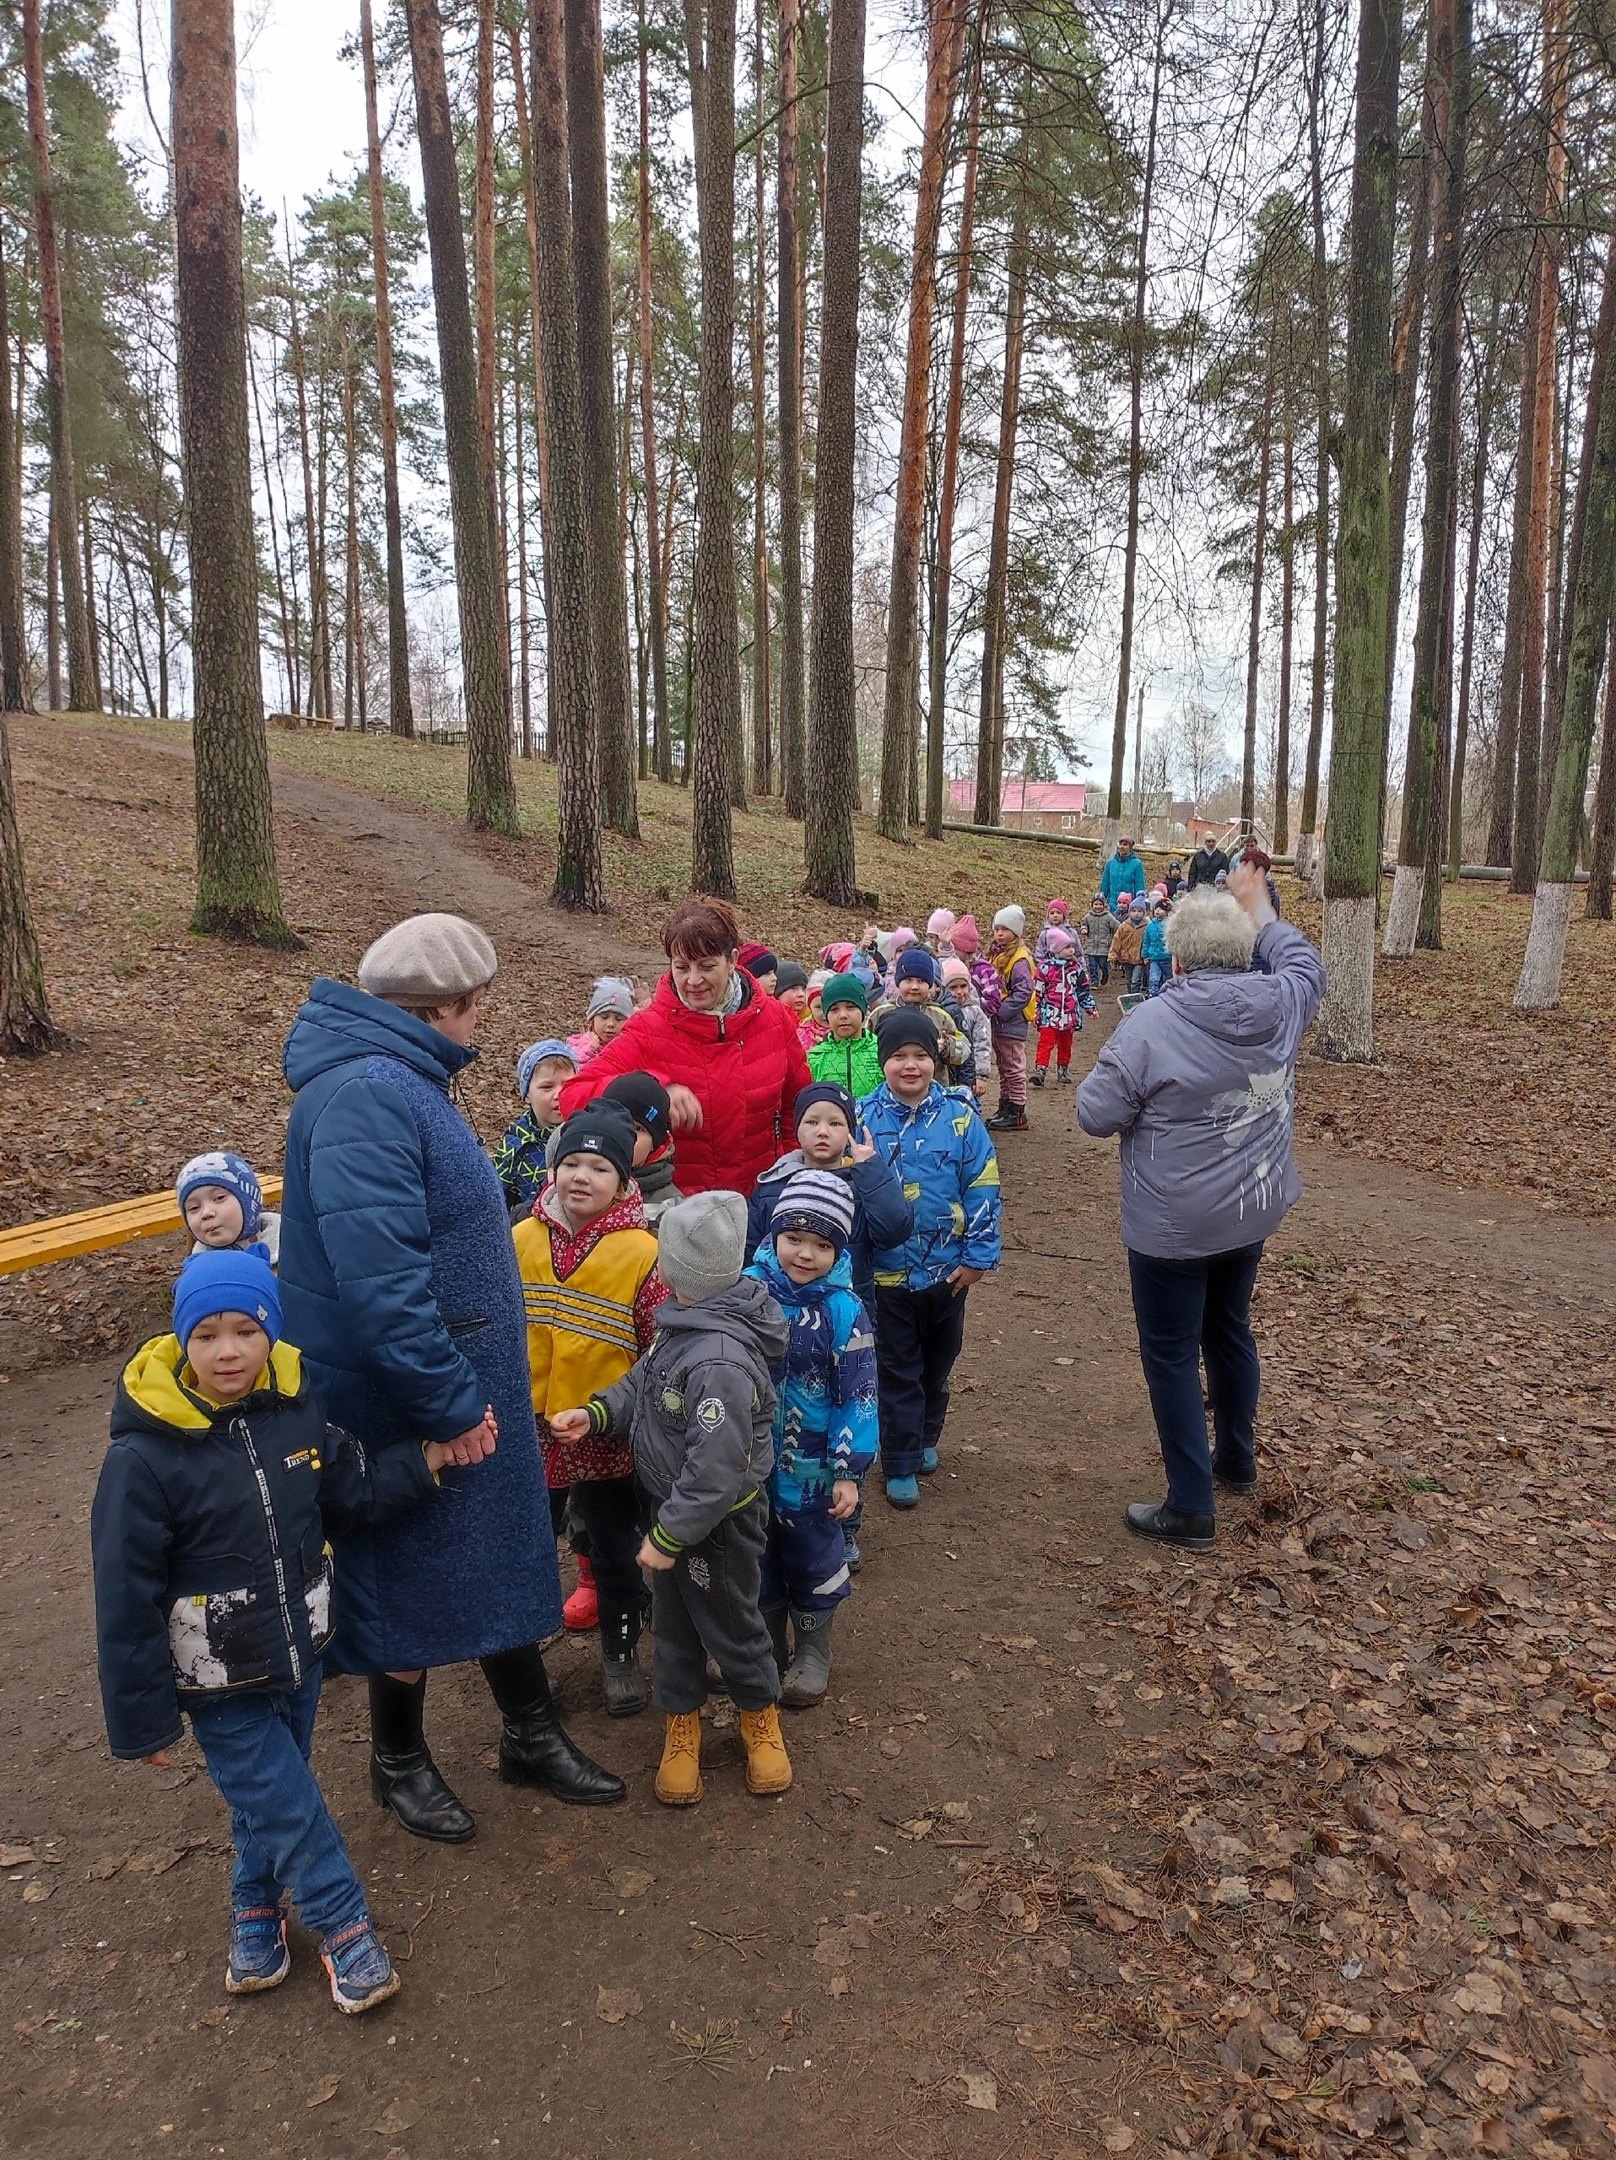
[{"x": 399, "y": 1285}]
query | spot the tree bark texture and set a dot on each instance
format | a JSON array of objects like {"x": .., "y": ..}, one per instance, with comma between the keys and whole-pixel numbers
[
  {"x": 592, "y": 282},
  {"x": 541, "y": 426},
  {"x": 572, "y": 646},
  {"x": 1486, "y": 391},
  {"x": 479, "y": 578},
  {"x": 1602, "y": 835},
  {"x": 832, "y": 690},
  {"x": 710, "y": 36},
  {"x": 26, "y": 1026},
  {"x": 1287, "y": 630},
  {"x": 1259, "y": 565},
  {"x": 762, "y": 729},
  {"x": 788, "y": 328},
  {"x": 81, "y": 694},
  {"x": 946, "y": 20},
  {"x": 237, "y": 885},
  {"x": 400, "y": 698},
  {"x": 319, "y": 616},
  {"x": 990, "y": 735},
  {"x": 655, "y": 562},
  {"x": 1363, "y": 576},
  {"x": 1308, "y": 822},
  {"x": 13, "y": 643}
]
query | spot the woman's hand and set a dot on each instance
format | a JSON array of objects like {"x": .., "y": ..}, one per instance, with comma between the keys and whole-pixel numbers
[
  {"x": 1249, "y": 884},
  {"x": 653, "y": 1557},
  {"x": 843, "y": 1499},
  {"x": 570, "y": 1425},
  {"x": 684, "y": 1109},
  {"x": 466, "y": 1448}
]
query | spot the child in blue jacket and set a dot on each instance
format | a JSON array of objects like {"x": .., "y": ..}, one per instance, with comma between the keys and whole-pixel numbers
[
  {"x": 937, "y": 1145},
  {"x": 1158, "y": 960},
  {"x": 213, "y": 1593},
  {"x": 824, "y": 1423}
]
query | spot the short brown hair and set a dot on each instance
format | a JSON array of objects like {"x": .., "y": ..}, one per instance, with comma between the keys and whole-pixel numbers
[{"x": 700, "y": 929}]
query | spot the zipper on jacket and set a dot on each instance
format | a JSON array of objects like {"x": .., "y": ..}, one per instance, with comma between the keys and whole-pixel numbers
[{"x": 274, "y": 1548}]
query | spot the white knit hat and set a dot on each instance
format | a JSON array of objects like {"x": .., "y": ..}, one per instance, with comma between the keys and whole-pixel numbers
[
  {"x": 1011, "y": 918},
  {"x": 427, "y": 960}
]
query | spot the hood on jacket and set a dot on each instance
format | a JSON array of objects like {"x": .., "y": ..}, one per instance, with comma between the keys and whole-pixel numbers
[
  {"x": 746, "y": 1312},
  {"x": 154, "y": 1385},
  {"x": 766, "y": 1267},
  {"x": 337, "y": 1023},
  {"x": 627, "y": 1212},
  {"x": 1231, "y": 1005}
]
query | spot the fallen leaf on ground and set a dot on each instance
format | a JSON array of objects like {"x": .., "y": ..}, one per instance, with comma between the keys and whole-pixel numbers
[
  {"x": 981, "y": 2091},
  {"x": 327, "y": 2089},
  {"x": 613, "y": 2005}
]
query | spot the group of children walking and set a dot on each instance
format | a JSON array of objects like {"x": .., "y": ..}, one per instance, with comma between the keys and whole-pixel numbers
[{"x": 713, "y": 1379}]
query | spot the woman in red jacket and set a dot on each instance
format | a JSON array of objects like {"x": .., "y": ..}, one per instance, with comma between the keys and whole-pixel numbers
[{"x": 728, "y": 1055}]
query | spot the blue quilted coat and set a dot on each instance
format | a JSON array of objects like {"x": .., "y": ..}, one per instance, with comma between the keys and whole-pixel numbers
[{"x": 399, "y": 1285}]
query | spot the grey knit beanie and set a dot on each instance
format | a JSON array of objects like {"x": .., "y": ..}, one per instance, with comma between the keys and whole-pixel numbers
[
  {"x": 428, "y": 960},
  {"x": 701, "y": 1245}
]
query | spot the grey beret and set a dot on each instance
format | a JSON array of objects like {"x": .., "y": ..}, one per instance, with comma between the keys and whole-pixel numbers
[{"x": 428, "y": 960}]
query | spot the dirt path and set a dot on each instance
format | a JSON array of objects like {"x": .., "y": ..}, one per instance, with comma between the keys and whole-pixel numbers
[{"x": 787, "y": 1977}]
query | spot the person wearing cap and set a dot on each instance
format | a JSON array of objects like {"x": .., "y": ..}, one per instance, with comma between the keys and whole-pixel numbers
[
  {"x": 611, "y": 1002},
  {"x": 1122, "y": 874},
  {"x": 1207, "y": 864},
  {"x": 1128, "y": 947},
  {"x": 1064, "y": 996},
  {"x": 1099, "y": 927},
  {"x": 1018, "y": 1002},
  {"x": 698, "y": 1411},
  {"x": 729, "y": 1056},
  {"x": 938, "y": 1148},
  {"x": 590, "y": 1285},
  {"x": 1201, "y": 1087},
  {"x": 917, "y": 983},
  {"x": 847, "y": 1053},
  {"x": 1057, "y": 916},
  {"x": 221, "y": 1203},
  {"x": 400, "y": 1286},
  {"x": 940, "y": 931},
  {"x": 824, "y": 1424},
  {"x": 522, "y": 1157},
  {"x": 831, "y": 1138},
  {"x": 655, "y": 1164},
  {"x": 214, "y": 1598},
  {"x": 960, "y": 992},
  {"x": 761, "y": 964},
  {"x": 1154, "y": 950}
]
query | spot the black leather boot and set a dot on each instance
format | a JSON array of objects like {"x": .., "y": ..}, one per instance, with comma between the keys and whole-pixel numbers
[
  {"x": 403, "y": 1775},
  {"x": 533, "y": 1749},
  {"x": 622, "y": 1681}
]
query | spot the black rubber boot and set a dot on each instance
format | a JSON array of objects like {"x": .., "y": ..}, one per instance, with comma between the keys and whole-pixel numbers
[
  {"x": 622, "y": 1682},
  {"x": 533, "y": 1749},
  {"x": 403, "y": 1775}
]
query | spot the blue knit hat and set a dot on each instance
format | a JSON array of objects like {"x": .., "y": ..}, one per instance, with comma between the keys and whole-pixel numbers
[
  {"x": 534, "y": 1056},
  {"x": 914, "y": 964},
  {"x": 826, "y": 1091},
  {"x": 221, "y": 1282},
  {"x": 239, "y": 1179},
  {"x": 817, "y": 1202}
]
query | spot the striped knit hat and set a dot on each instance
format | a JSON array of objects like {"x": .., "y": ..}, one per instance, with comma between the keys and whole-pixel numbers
[{"x": 818, "y": 1202}]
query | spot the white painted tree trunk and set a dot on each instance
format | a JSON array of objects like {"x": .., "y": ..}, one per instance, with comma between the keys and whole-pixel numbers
[
  {"x": 1541, "y": 969},
  {"x": 1346, "y": 1029},
  {"x": 1110, "y": 833},
  {"x": 1403, "y": 916}
]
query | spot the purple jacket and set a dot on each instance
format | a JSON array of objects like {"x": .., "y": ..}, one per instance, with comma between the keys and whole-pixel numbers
[{"x": 1201, "y": 1084}]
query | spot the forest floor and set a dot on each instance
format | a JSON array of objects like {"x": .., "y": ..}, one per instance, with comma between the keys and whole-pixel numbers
[{"x": 1300, "y": 1847}]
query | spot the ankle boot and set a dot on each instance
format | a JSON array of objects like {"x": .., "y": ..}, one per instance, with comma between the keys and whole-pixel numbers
[
  {"x": 1036, "y": 1076},
  {"x": 678, "y": 1778},
  {"x": 775, "y": 1620},
  {"x": 768, "y": 1766},
  {"x": 403, "y": 1775},
  {"x": 622, "y": 1681},
  {"x": 809, "y": 1673},
  {"x": 533, "y": 1749},
  {"x": 581, "y": 1612}
]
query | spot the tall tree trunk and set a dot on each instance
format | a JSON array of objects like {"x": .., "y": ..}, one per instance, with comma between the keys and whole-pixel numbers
[
  {"x": 1448, "y": 100},
  {"x": 482, "y": 236},
  {"x": 762, "y": 732},
  {"x": 13, "y": 642},
  {"x": 572, "y": 644},
  {"x": 1544, "y": 962},
  {"x": 26, "y": 1026},
  {"x": 788, "y": 331},
  {"x": 96, "y": 689},
  {"x": 1287, "y": 625},
  {"x": 1486, "y": 387},
  {"x": 319, "y": 611},
  {"x": 283, "y": 608},
  {"x": 1307, "y": 842},
  {"x": 1602, "y": 835},
  {"x": 354, "y": 702},
  {"x": 1428, "y": 936},
  {"x": 592, "y": 283},
  {"x": 237, "y": 887},
  {"x": 1407, "y": 342},
  {"x": 1259, "y": 565},
  {"x": 524, "y": 624},
  {"x": 541, "y": 428},
  {"x": 1136, "y": 452},
  {"x": 832, "y": 690},
  {"x": 948, "y": 482},
  {"x": 1363, "y": 589},
  {"x": 400, "y": 699},
  {"x": 990, "y": 734},
  {"x": 490, "y": 791},
  {"x": 655, "y": 560},
  {"x": 717, "y": 683},
  {"x": 80, "y": 669},
  {"x": 946, "y": 25},
  {"x": 53, "y": 611}
]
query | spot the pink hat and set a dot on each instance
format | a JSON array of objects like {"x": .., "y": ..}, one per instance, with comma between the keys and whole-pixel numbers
[
  {"x": 1060, "y": 940},
  {"x": 967, "y": 937},
  {"x": 955, "y": 970},
  {"x": 939, "y": 922},
  {"x": 836, "y": 956},
  {"x": 901, "y": 937},
  {"x": 1065, "y": 907}
]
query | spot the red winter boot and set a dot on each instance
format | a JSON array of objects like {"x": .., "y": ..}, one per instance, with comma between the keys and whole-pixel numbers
[{"x": 582, "y": 1610}]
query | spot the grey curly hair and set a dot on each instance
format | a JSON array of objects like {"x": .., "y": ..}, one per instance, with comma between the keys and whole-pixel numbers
[{"x": 1210, "y": 930}]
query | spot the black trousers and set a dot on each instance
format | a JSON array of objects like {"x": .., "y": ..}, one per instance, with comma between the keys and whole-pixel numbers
[
  {"x": 918, "y": 1337},
  {"x": 607, "y": 1510}
]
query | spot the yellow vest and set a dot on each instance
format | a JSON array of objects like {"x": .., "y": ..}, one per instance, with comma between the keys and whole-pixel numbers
[
  {"x": 580, "y": 1333},
  {"x": 1005, "y": 962}
]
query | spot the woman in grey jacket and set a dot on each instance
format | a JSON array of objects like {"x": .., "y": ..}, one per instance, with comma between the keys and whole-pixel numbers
[{"x": 1201, "y": 1083}]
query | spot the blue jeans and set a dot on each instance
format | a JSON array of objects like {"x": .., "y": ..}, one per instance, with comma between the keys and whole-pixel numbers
[
  {"x": 1161, "y": 974},
  {"x": 256, "y": 1746},
  {"x": 1187, "y": 1309}
]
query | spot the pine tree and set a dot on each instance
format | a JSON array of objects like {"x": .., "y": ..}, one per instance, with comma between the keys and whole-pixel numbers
[{"x": 400, "y": 705}]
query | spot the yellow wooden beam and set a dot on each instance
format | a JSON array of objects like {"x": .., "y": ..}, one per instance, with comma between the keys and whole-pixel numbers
[{"x": 67, "y": 1237}]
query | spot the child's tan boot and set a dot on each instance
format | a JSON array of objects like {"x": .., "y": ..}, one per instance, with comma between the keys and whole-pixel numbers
[
  {"x": 768, "y": 1766},
  {"x": 678, "y": 1778}
]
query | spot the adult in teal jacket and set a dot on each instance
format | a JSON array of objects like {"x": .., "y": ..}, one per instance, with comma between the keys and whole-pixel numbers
[
  {"x": 1122, "y": 875},
  {"x": 399, "y": 1285}
]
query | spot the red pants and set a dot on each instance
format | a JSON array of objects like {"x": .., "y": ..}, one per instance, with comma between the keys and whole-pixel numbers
[{"x": 1054, "y": 1043}]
